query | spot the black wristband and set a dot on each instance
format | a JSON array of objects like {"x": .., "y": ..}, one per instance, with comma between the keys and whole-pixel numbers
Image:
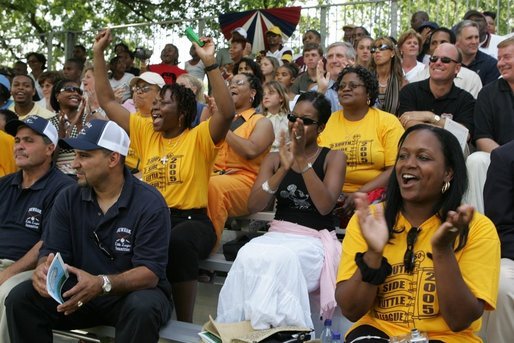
[
  {"x": 211, "y": 67},
  {"x": 370, "y": 275}
]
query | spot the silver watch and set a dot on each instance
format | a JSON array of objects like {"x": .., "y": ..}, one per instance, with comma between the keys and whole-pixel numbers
[{"x": 107, "y": 286}]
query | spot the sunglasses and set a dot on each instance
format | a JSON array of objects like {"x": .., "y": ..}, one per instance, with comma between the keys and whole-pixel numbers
[
  {"x": 352, "y": 85},
  {"x": 382, "y": 47},
  {"x": 409, "y": 258},
  {"x": 102, "y": 248},
  {"x": 71, "y": 89},
  {"x": 306, "y": 121},
  {"x": 443, "y": 59},
  {"x": 144, "y": 89}
]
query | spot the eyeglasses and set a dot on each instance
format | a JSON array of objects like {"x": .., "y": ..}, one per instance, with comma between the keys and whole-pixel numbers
[
  {"x": 104, "y": 250},
  {"x": 382, "y": 47},
  {"x": 352, "y": 85},
  {"x": 71, "y": 89},
  {"x": 144, "y": 89},
  {"x": 306, "y": 121},
  {"x": 443, "y": 59},
  {"x": 409, "y": 258}
]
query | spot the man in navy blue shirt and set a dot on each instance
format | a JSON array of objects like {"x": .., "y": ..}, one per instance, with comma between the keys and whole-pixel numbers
[
  {"x": 27, "y": 198},
  {"x": 112, "y": 231}
]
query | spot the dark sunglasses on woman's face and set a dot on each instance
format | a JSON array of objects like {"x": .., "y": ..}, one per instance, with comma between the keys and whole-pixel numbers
[
  {"x": 71, "y": 89},
  {"x": 382, "y": 47},
  {"x": 443, "y": 59},
  {"x": 306, "y": 121}
]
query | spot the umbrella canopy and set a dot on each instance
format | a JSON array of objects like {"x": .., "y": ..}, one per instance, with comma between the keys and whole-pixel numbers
[{"x": 257, "y": 22}]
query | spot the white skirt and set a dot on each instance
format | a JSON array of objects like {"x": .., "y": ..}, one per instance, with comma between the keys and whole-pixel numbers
[{"x": 270, "y": 281}]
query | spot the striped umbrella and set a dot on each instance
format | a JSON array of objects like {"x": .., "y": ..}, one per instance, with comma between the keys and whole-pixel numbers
[{"x": 257, "y": 22}]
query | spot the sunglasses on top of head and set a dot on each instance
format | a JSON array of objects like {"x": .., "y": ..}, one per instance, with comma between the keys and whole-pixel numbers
[
  {"x": 443, "y": 59},
  {"x": 382, "y": 47},
  {"x": 306, "y": 121}
]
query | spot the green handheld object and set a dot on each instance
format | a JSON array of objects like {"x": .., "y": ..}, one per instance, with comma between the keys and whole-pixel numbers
[{"x": 193, "y": 37}]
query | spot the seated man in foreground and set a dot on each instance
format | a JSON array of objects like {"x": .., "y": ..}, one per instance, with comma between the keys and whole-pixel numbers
[{"x": 112, "y": 231}]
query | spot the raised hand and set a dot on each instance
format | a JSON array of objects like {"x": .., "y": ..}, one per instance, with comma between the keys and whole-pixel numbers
[
  {"x": 102, "y": 40},
  {"x": 373, "y": 225},
  {"x": 456, "y": 222},
  {"x": 207, "y": 50},
  {"x": 286, "y": 156},
  {"x": 321, "y": 78}
]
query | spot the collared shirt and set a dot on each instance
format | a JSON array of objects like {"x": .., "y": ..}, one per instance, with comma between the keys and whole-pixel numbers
[
  {"x": 494, "y": 113},
  {"x": 417, "y": 96},
  {"x": 302, "y": 83},
  {"x": 485, "y": 66},
  {"x": 36, "y": 110},
  {"x": 466, "y": 79},
  {"x": 135, "y": 230},
  {"x": 24, "y": 213}
]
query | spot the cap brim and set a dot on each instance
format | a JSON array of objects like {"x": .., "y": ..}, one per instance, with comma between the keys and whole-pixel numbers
[
  {"x": 12, "y": 126},
  {"x": 77, "y": 143}
]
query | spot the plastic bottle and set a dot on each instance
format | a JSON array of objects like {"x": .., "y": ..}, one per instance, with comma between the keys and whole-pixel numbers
[
  {"x": 417, "y": 337},
  {"x": 326, "y": 333},
  {"x": 336, "y": 337}
]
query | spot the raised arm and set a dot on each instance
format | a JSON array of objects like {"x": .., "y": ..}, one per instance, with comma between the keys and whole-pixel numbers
[
  {"x": 104, "y": 92},
  {"x": 222, "y": 118}
]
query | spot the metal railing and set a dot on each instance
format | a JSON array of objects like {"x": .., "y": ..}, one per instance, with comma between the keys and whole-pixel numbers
[{"x": 380, "y": 17}]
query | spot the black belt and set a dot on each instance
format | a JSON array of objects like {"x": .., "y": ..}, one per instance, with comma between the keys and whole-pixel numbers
[{"x": 190, "y": 212}]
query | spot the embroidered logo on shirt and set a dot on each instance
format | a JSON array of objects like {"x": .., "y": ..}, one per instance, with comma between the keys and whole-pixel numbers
[
  {"x": 123, "y": 242},
  {"x": 33, "y": 218}
]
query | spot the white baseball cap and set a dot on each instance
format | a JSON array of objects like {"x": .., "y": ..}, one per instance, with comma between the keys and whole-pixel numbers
[
  {"x": 98, "y": 134},
  {"x": 149, "y": 77}
]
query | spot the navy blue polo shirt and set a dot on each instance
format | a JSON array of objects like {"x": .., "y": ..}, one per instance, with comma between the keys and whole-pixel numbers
[
  {"x": 135, "y": 231},
  {"x": 417, "y": 96},
  {"x": 494, "y": 113},
  {"x": 24, "y": 213},
  {"x": 485, "y": 66}
]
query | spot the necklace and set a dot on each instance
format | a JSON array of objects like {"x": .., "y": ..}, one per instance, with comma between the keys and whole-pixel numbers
[{"x": 314, "y": 154}]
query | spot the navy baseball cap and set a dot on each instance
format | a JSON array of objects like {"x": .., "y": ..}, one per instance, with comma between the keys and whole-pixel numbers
[
  {"x": 98, "y": 134},
  {"x": 37, "y": 124}
]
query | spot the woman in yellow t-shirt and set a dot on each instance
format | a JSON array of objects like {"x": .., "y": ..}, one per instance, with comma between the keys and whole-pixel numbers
[
  {"x": 178, "y": 160},
  {"x": 424, "y": 261},
  {"x": 368, "y": 136}
]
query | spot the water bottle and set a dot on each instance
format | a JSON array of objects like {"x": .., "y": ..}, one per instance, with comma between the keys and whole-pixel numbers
[
  {"x": 418, "y": 337},
  {"x": 336, "y": 337},
  {"x": 326, "y": 334}
]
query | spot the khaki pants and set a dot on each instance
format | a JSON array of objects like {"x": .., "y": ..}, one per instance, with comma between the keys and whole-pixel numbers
[
  {"x": 5, "y": 288},
  {"x": 498, "y": 325}
]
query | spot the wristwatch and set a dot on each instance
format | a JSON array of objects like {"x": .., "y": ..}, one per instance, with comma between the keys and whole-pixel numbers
[
  {"x": 436, "y": 119},
  {"x": 107, "y": 286}
]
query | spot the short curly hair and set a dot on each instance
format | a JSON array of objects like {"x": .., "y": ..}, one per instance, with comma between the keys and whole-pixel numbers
[
  {"x": 369, "y": 80},
  {"x": 186, "y": 102}
]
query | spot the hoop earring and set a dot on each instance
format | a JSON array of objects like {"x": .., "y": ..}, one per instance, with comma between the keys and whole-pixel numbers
[
  {"x": 368, "y": 101},
  {"x": 446, "y": 186}
]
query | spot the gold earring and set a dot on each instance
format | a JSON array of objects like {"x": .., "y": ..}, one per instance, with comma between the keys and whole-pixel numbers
[{"x": 446, "y": 186}]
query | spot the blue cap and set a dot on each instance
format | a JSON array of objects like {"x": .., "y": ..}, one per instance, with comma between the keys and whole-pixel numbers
[
  {"x": 4, "y": 81},
  {"x": 98, "y": 134},
  {"x": 37, "y": 124}
]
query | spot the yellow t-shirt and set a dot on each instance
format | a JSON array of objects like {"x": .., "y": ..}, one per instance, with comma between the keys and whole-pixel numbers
[
  {"x": 7, "y": 164},
  {"x": 406, "y": 301},
  {"x": 370, "y": 144},
  {"x": 132, "y": 161},
  {"x": 179, "y": 167}
]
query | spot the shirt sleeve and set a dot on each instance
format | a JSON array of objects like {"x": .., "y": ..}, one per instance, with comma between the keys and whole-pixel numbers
[
  {"x": 407, "y": 99},
  {"x": 392, "y": 130},
  {"x": 483, "y": 121},
  {"x": 353, "y": 243}
]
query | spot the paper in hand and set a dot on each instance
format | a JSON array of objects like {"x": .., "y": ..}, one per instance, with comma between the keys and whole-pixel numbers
[{"x": 56, "y": 277}]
